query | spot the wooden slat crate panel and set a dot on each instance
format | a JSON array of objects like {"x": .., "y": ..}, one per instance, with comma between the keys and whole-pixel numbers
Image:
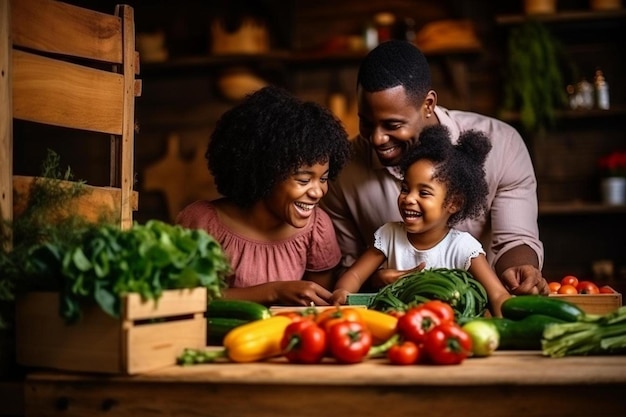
[
  {"x": 171, "y": 303},
  {"x": 75, "y": 68},
  {"x": 61, "y": 28},
  {"x": 594, "y": 303},
  {"x": 101, "y": 343},
  {"x": 96, "y": 203},
  {"x": 86, "y": 98},
  {"x": 44, "y": 339},
  {"x": 148, "y": 346}
]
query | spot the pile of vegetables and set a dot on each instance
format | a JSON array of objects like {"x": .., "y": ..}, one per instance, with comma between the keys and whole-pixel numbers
[
  {"x": 455, "y": 287},
  {"x": 104, "y": 263},
  {"x": 426, "y": 333},
  {"x": 556, "y": 327}
]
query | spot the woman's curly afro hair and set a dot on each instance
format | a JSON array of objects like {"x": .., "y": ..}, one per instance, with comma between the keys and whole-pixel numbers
[
  {"x": 460, "y": 167},
  {"x": 267, "y": 137}
]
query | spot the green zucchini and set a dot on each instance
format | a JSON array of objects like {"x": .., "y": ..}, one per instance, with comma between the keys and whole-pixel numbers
[
  {"x": 524, "y": 334},
  {"x": 237, "y": 309},
  {"x": 218, "y": 327},
  {"x": 521, "y": 306}
]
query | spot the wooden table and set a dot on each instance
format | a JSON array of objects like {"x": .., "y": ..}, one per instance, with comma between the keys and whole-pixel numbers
[{"x": 505, "y": 384}]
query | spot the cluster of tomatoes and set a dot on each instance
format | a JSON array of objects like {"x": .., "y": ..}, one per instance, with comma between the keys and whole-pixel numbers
[
  {"x": 339, "y": 333},
  {"x": 427, "y": 333},
  {"x": 570, "y": 284}
]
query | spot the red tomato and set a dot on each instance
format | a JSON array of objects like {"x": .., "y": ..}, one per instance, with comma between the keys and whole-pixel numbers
[
  {"x": 404, "y": 353},
  {"x": 447, "y": 344},
  {"x": 567, "y": 289},
  {"x": 443, "y": 310},
  {"x": 554, "y": 287},
  {"x": 349, "y": 341},
  {"x": 304, "y": 342},
  {"x": 587, "y": 287},
  {"x": 605, "y": 289},
  {"x": 416, "y": 323},
  {"x": 297, "y": 315},
  {"x": 569, "y": 280},
  {"x": 327, "y": 318}
]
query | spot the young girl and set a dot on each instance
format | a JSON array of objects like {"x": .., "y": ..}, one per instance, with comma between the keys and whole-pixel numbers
[
  {"x": 443, "y": 184},
  {"x": 271, "y": 157}
]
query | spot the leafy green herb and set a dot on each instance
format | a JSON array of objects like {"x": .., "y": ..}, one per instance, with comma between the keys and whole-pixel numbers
[
  {"x": 108, "y": 263},
  {"x": 534, "y": 81},
  {"x": 46, "y": 198}
]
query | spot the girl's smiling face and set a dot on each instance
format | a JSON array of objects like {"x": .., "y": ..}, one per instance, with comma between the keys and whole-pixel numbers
[
  {"x": 293, "y": 200},
  {"x": 421, "y": 204}
]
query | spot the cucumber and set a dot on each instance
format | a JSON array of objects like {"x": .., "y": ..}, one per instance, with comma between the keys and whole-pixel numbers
[
  {"x": 237, "y": 309},
  {"x": 521, "y": 306},
  {"x": 218, "y": 327},
  {"x": 524, "y": 334}
]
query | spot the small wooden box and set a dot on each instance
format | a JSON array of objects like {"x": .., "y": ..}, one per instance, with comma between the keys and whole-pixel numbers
[
  {"x": 594, "y": 303},
  {"x": 148, "y": 335}
]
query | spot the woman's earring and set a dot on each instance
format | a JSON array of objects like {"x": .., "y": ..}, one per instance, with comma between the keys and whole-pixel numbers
[{"x": 428, "y": 115}]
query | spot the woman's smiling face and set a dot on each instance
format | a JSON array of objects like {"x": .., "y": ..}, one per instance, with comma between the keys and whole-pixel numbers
[{"x": 294, "y": 199}]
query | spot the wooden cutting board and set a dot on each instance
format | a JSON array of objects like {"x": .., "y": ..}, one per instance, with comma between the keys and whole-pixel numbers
[{"x": 181, "y": 181}]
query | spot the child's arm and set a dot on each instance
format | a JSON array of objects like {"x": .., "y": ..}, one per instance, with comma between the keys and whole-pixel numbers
[
  {"x": 357, "y": 274},
  {"x": 496, "y": 293}
]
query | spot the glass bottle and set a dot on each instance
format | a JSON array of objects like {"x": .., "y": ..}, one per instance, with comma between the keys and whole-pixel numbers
[
  {"x": 602, "y": 90},
  {"x": 585, "y": 89}
]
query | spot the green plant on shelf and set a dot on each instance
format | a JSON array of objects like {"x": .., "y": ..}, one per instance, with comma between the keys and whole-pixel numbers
[{"x": 534, "y": 77}]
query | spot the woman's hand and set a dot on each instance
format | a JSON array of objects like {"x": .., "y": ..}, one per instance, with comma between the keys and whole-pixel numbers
[{"x": 301, "y": 293}]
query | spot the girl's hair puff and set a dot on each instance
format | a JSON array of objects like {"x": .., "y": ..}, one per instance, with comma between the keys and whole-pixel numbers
[{"x": 460, "y": 167}]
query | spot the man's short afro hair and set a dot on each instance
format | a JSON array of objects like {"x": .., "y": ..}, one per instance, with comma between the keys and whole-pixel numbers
[
  {"x": 394, "y": 63},
  {"x": 267, "y": 137}
]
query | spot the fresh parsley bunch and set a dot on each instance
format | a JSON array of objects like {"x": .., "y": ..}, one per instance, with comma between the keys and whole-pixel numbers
[{"x": 107, "y": 263}]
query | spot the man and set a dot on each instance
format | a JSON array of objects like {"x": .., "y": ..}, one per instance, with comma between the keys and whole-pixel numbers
[{"x": 395, "y": 102}]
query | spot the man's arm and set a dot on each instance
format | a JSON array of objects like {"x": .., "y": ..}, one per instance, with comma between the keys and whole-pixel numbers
[{"x": 515, "y": 232}]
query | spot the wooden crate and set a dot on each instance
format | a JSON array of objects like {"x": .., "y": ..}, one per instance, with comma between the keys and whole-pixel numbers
[
  {"x": 146, "y": 337},
  {"x": 594, "y": 303}
]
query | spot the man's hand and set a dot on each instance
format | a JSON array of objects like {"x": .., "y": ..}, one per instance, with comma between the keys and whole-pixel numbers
[{"x": 524, "y": 279}]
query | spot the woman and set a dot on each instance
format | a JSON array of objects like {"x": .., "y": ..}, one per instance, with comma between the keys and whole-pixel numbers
[{"x": 272, "y": 157}]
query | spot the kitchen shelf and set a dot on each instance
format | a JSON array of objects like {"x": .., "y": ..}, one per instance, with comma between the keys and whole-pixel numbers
[
  {"x": 278, "y": 57},
  {"x": 577, "y": 207},
  {"x": 562, "y": 17},
  {"x": 614, "y": 111}
]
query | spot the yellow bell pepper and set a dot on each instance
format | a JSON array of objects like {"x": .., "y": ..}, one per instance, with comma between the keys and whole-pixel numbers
[
  {"x": 257, "y": 340},
  {"x": 381, "y": 325}
]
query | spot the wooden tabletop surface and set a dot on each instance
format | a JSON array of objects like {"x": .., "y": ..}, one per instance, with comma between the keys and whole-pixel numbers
[
  {"x": 504, "y": 384},
  {"x": 513, "y": 367}
]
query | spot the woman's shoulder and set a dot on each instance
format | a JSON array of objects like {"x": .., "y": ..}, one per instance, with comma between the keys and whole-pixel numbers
[
  {"x": 197, "y": 214},
  {"x": 321, "y": 221}
]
